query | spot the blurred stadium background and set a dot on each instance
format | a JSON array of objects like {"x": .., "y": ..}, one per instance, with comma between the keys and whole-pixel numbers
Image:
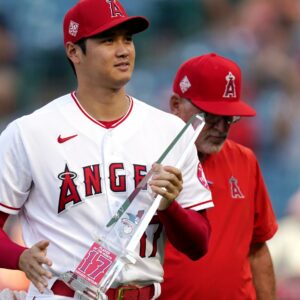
[{"x": 262, "y": 36}]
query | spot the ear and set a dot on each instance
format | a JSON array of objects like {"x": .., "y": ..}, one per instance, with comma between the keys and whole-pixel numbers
[
  {"x": 175, "y": 105},
  {"x": 73, "y": 52}
]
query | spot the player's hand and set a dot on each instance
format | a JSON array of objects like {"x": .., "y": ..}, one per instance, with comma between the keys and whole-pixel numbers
[
  {"x": 31, "y": 263},
  {"x": 167, "y": 182}
]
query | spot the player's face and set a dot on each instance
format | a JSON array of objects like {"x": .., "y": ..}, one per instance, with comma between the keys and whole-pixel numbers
[
  {"x": 214, "y": 132},
  {"x": 109, "y": 59}
]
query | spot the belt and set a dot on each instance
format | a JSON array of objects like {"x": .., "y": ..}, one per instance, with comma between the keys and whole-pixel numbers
[{"x": 125, "y": 292}]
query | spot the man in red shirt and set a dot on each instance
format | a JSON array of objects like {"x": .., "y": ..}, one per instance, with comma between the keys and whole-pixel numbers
[{"x": 238, "y": 265}]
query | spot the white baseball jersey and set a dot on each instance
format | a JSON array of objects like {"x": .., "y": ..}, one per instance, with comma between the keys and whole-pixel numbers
[{"x": 66, "y": 174}]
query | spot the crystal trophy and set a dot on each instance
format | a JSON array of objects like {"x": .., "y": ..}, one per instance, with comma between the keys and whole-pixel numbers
[{"x": 108, "y": 255}]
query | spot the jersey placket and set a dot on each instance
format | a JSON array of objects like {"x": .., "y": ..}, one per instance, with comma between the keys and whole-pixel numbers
[{"x": 114, "y": 168}]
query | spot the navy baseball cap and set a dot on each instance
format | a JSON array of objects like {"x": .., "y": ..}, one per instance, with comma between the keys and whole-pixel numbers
[
  {"x": 91, "y": 17},
  {"x": 213, "y": 84}
]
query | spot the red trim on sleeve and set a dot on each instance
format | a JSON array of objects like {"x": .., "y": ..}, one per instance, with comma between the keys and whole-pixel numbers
[
  {"x": 198, "y": 204},
  {"x": 9, "y": 207},
  {"x": 187, "y": 230}
]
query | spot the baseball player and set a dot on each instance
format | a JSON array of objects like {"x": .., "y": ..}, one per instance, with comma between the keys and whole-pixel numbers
[
  {"x": 238, "y": 264},
  {"x": 67, "y": 167}
]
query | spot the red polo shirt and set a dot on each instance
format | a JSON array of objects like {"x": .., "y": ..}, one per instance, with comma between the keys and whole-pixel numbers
[{"x": 242, "y": 215}]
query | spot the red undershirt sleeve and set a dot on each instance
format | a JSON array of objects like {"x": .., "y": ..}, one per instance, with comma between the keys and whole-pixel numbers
[
  {"x": 187, "y": 230},
  {"x": 10, "y": 251},
  {"x": 3, "y": 218}
]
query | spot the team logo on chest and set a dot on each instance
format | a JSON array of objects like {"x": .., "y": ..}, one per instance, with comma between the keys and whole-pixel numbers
[
  {"x": 235, "y": 189},
  {"x": 114, "y": 8},
  {"x": 93, "y": 180},
  {"x": 230, "y": 91}
]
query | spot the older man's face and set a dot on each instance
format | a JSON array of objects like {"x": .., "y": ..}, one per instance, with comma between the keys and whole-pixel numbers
[{"x": 214, "y": 132}]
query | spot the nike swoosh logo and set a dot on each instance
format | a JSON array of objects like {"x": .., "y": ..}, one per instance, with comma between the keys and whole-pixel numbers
[{"x": 64, "y": 139}]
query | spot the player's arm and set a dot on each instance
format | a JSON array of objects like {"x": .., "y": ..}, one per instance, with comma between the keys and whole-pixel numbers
[
  {"x": 262, "y": 271},
  {"x": 30, "y": 261},
  {"x": 10, "y": 251},
  {"x": 187, "y": 230}
]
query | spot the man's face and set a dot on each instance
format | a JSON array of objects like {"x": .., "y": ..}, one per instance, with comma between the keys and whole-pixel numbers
[
  {"x": 214, "y": 132},
  {"x": 109, "y": 59}
]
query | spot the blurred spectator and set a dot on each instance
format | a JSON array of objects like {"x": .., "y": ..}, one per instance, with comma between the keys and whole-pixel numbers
[
  {"x": 9, "y": 80},
  {"x": 7, "y": 44},
  {"x": 8, "y": 94},
  {"x": 285, "y": 251},
  {"x": 8, "y": 75}
]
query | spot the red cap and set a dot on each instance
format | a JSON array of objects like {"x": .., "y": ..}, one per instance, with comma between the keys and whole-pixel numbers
[
  {"x": 213, "y": 84},
  {"x": 91, "y": 17}
]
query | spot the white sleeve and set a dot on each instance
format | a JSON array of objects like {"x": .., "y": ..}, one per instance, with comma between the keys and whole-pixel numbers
[
  {"x": 195, "y": 194},
  {"x": 15, "y": 175}
]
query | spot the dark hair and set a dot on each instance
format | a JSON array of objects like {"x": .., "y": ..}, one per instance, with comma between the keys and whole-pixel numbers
[{"x": 82, "y": 44}]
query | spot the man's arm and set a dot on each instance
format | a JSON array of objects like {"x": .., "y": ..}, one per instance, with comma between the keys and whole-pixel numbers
[
  {"x": 187, "y": 230},
  {"x": 10, "y": 251},
  {"x": 262, "y": 271},
  {"x": 30, "y": 261}
]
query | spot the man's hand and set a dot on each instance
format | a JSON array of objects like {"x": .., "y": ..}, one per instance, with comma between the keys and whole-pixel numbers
[
  {"x": 167, "y": 182},
  {"x": 31, "y": 261}
]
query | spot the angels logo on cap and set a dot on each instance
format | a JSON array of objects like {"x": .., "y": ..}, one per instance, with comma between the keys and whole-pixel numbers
[
  {"x": 230, "y": 86},
  {"x": 114, "y": 8}
]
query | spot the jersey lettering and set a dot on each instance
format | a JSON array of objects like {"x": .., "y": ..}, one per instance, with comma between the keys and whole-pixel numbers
[
  {"x": 92, "y": 180},
  {"x": 156, "y": 235},
  {"x": 117, "y": 182},
  {"x": 230, "y": 86},
  {"x": 69, "y": 194},
  {"x": 235, "y": 189},
  {"x": 68, "y": 189},
  {"x": 114, "y": 8},
  {"x": 139, "y": 173}
]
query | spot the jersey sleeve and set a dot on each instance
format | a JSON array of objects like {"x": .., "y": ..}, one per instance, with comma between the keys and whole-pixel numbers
[
  {"x": 15, "y": 178},
  {"x": 195, "y": 194},
  {"x": 265, "y": 225}
]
